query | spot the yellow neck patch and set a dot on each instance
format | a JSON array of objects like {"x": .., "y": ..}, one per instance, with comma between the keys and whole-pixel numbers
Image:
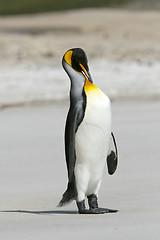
[
  {"x": 68, "y": 57},
  {"x": 89, "y": 86}
]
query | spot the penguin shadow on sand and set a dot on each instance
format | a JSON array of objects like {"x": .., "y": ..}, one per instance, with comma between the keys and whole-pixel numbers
[{"x": 40, "y": 212}]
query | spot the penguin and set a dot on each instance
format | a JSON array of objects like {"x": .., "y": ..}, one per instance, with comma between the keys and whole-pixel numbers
[{"x": 88, "y": 136}]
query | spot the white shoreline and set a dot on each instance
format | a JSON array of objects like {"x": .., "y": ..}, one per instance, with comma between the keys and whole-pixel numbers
[{"x": 21, "y": 84}]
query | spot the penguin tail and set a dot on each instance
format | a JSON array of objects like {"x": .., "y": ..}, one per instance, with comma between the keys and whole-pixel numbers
[{"x": 69, "y": 195}]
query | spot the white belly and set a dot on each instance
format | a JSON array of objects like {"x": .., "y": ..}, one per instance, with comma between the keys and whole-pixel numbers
[{"x": 92, "y": 144}]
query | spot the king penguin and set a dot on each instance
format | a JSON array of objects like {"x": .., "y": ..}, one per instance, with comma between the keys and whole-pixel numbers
[{"x": 88, "y": 136}]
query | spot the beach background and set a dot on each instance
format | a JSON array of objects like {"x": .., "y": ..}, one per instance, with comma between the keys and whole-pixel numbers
[{"x": 121, "y": 39}]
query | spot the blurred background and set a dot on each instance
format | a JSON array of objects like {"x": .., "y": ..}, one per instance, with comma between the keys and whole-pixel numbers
[
  {"x": 36, "y": 6},
  {"x": 121, "y": 39}
]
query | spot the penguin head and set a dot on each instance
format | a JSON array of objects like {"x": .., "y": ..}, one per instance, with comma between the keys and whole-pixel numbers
[{"x": 75, "y": 64}]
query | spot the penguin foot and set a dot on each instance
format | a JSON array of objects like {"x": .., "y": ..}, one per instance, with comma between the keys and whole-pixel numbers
[
  {"x": 93, "y": 204},
  {"x": 92, "y": 211},
  {"x": 97, "y": 211},
  {"x": 82, "y": 209},
  {"x": 107, "y": 210}
]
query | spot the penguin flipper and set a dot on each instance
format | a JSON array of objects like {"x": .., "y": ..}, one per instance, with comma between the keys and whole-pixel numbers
[
  {"x": 74, "y": 118},
  {"x": 112, "y": 158},
  {"x": 70, "y": 131}
]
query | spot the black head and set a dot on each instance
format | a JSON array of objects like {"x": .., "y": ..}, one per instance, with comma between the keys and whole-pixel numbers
[{"x": 77, "y": 59}]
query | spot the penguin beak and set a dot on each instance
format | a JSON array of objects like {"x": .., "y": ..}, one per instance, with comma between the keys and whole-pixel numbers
[{"x": 86, "y": 73}]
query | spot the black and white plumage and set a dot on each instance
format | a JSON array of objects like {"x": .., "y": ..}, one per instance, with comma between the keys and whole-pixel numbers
[{"x": 88, "y": 135}]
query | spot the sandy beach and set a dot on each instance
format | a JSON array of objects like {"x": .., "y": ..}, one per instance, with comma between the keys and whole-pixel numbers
[
  {"x": 33, "y": 176},
  {"x": 122, "y": 47},
  {"x": 120, "y": 35}
]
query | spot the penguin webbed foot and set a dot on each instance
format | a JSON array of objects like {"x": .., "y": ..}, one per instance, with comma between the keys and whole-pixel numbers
[
  {"x": 107, "y": 210},
  {"x": 94, "y": 209},
  {"x": 93, "y": 204},
  {"x": 91, "y": 211},
  {"x": 82, "y": 209}
]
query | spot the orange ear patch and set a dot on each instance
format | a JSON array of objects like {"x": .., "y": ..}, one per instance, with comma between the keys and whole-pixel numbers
[{"x": 68, "y": 57}]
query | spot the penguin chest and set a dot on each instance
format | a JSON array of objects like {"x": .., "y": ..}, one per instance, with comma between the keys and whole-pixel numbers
[{"x": 93, "y": 135}]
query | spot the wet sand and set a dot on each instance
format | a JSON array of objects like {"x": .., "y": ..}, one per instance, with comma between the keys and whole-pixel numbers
[{"x": 33, "y": 176}]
